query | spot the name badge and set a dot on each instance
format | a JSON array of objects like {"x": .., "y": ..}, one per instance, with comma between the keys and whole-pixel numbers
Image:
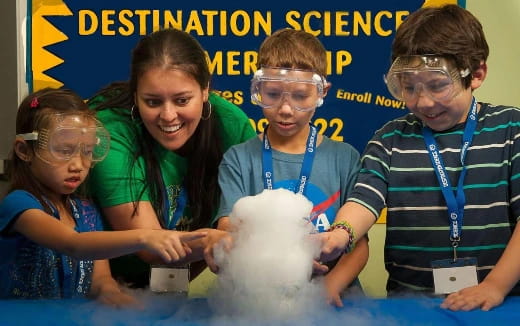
[
  {"x": 169, "y": 279},
  {"x": 453, "y": 275}
]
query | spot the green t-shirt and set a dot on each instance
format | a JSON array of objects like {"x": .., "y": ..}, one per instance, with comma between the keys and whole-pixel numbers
[{"x": 119, "y": 179}]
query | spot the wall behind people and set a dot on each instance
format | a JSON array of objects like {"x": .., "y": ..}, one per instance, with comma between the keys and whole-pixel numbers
[
  {"x": 12, "y": 69},
  {"x": 501, "y": 23}
]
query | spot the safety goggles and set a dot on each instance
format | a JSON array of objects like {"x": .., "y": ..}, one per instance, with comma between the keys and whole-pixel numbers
[
  {"x": 433, "y": 75},
  {"x": 71, "y": 135},
  {"x": 302, "y": 89}
]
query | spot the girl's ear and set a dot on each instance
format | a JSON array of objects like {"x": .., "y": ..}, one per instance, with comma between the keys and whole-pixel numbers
[{"x": 22, "y": 150}]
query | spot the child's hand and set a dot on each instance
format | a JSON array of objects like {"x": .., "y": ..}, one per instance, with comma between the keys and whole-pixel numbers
[
  {"x": 333, "y": 288},
  {"x": 214, "y": 238},
  {"x": 318, "y": 268},
  {"x": 334, "y": 299},
  {"x": 170, "y": 245},
  {"x": 484, "y": 296},
  {"x": 106, "y": 290},
  {"x": 118, "y": 299},
  {"x": 333, "y": 243}
]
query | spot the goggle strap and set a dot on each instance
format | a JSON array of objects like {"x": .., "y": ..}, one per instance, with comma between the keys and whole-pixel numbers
[
  {"x": 28, "y": 136},
  {"x": 465, "y": 72}
]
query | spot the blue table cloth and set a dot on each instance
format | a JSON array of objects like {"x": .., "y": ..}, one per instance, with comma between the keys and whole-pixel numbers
[{"x": 168, "y": 309}]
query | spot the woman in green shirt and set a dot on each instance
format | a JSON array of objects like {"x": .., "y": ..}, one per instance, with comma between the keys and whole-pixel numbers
[{"x": 168, "y": 133}]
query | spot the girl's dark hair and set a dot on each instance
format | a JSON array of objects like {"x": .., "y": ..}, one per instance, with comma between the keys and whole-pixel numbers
[
  {"x": 173, "y": 48},
  {"x": 449, "y": 31},
  {"x": 34, "y": 114}
]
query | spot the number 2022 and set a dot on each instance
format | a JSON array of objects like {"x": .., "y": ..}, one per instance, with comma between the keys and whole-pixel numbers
[{"x": 335, "y": 124}]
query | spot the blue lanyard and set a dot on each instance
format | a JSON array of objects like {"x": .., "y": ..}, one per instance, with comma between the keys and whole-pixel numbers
[
  {"x": 308, "y": 158},
  {"x": 455, "y": 204},
  {"x": 182, "y": 199}
]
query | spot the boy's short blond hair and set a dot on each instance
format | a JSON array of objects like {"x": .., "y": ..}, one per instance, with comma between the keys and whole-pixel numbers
[{"x": 289, "y": 48}]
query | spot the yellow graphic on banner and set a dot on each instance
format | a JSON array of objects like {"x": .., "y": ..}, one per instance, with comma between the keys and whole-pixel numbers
[
  {"x": 43, "y": 33},
  {"x": 437, "y": 3}
]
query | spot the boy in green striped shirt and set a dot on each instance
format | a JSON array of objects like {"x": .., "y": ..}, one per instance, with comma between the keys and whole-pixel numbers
[{"x": 448, "y": 172}]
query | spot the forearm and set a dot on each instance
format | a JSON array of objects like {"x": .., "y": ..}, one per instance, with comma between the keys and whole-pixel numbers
[
  {"x": 348, "y": 267},
  {"x": 105, "y": 244},
  {"x": 506, "y": 272},
  {"x": 358, "y": 216}
]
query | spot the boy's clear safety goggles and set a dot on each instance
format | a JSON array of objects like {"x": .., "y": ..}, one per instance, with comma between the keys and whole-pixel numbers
[
  {"x": 302, "y": 89},
  {"x": 432, "y": 74},
  {"x": 71, "y": 135}
]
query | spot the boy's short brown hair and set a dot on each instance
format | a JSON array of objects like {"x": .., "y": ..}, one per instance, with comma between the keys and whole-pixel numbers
[
  {"x": 289, "y": 48},
  {"x": 449, "y": 31}
]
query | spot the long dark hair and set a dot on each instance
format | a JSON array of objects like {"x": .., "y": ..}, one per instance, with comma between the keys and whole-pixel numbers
[
  {"x": 173, "y": 48},
  {"x": 34, "y": 114}
]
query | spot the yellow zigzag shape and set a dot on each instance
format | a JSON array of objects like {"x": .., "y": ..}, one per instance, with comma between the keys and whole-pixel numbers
[
  {"x": 437, "y": 3},
  {"x": 44, "y": 34}
]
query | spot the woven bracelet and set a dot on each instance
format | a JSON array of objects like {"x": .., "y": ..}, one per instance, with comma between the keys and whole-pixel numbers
[{"x": 347, "y": 227}]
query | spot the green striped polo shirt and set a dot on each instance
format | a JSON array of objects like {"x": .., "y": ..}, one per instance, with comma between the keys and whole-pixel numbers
[{"x": 397, "y": 173}]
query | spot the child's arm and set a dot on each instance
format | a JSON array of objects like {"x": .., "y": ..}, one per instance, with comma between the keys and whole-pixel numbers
[
  {"x": 49, "y": 232},
  {"x": 121, "y": 217},
  {"x": 105, "y": 289},
  {"x": 346, "y": 270},
  {"x": 334, "y": 242},
  {"x": 497, "y": 284}
]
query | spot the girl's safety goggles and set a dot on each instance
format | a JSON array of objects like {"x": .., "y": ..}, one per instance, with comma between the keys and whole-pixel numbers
[
  {"x": 303, "y": 90},
  {"x": 432, "y": 75},
  {"x": 70, "y": 135}
]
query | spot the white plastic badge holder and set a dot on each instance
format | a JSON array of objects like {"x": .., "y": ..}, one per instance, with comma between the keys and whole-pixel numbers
[
  {"x": 453, "y": 275},
  {"x": 169, "y": 279}
]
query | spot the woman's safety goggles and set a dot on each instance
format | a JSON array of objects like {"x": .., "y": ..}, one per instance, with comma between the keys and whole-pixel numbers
[
  {"x": 303, "y": 90},
  {"x": 432, "y": 75},
  {"x": 71, "y": 135}
]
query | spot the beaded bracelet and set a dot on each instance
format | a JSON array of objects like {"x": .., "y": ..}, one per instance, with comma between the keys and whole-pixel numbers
[{"x": 344, "y": 225}]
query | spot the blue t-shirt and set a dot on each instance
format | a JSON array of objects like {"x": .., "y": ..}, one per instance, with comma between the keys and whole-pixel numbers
[
  {"x": 332, "y": 177},
  {"x": 31, "y": 271}
]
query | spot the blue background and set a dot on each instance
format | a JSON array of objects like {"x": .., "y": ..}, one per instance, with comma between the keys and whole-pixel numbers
[{"x": 94, "y": 61}]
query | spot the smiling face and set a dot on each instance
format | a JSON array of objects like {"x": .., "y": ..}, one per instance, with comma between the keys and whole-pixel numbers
[
  {"x": 432, "y": 88},
  {"x": 170, "y": 103},
  {"x": 441, "y": 115}
]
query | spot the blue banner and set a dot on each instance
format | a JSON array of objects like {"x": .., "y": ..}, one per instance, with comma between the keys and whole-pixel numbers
[{"x": 85, "y": 45}]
